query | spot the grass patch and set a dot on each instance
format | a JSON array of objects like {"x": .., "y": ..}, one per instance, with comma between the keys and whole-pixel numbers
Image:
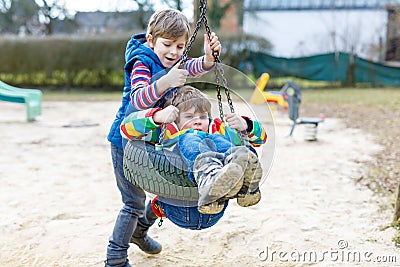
[{"x": 371, "y": 97}]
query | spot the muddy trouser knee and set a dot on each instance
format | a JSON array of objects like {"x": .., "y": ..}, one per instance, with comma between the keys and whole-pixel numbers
[{"x": 133, "y": 198}]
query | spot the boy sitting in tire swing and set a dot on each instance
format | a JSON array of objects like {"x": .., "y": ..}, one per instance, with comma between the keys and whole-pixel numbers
[{"x": 221, "y": 167}]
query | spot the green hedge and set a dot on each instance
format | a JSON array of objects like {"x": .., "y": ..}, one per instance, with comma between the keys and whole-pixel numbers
[
  {"x": 63, "y": 61},
  {"x": 85, "y": 62}
]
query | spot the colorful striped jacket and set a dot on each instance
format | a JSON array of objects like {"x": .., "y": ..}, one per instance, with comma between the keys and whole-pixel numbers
[{"x": 140, "y": 126}]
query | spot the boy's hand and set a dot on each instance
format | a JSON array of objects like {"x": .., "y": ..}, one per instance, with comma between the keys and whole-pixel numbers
[
  {"x": 236, "y": 122},
  {"x": 176, "y": 77},
  {"x": 166, "y": 115},
  {"x": 209, "y": 46}
]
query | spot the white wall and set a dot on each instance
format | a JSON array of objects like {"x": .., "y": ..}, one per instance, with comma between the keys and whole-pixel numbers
[{"x": 303, "y": 33}]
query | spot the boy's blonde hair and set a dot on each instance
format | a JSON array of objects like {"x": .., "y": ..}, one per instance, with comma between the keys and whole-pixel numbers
[
  {"x": 186, "y": 97},
  {"x": 168, "y": 23}
]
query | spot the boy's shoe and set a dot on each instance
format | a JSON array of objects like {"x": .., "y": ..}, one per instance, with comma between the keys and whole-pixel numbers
[
  {"x": 249, "y": 194},
  {"x": 117, "y": 263},
  {"x": 249, "y": 199},
  {"x": 146, "y": 244},
  {"x": 217, "y": 184},
  {"x": 215, "y": 181},
  {"x": 212, "y": 208},
  {"x": 140, "y": 236}
]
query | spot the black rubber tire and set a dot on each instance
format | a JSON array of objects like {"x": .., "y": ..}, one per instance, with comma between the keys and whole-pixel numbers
[{"x": 158, "y": 172}]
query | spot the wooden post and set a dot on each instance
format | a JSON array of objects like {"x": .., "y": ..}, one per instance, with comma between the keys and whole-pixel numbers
[{"x": 397, "y": 206}]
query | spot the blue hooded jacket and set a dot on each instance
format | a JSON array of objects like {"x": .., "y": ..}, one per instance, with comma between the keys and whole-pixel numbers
[{"x": 135, "y": 50}]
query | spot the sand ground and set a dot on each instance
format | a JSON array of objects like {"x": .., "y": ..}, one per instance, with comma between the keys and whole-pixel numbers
[{"x": 59, "y": 201}]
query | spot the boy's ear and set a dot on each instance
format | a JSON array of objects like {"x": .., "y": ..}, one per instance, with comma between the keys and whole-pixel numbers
[{"x": 149, "y": 39}]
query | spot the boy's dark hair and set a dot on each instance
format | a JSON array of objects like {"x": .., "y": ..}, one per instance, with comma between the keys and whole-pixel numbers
[
  {"x": 168, "y": 23},
  {"x": 186, "y": 97}
]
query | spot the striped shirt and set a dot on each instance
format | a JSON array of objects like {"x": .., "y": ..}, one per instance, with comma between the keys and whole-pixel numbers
[{"x": 143, "y": 93}]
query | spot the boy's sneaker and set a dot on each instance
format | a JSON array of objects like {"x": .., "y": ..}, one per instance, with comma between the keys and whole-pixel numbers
[
  {"x": 212, "y": 208},
  {"x": 117, "y": 263},
  {"x": 215, "y": 182},
  {"x": 249, "y": 198},
  {"x": 140, "y": 235},
  {"x": 146, "y": 244},
  {"x": 249, "y": 194}
]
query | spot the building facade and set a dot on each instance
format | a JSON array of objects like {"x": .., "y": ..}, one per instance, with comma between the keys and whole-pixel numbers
[{"x": 369, "y": 28}]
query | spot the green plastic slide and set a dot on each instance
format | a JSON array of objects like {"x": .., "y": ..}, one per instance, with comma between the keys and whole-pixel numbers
[{"x": 32, "y": 98}]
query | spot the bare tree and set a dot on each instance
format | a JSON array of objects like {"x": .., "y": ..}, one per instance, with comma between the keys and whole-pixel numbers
[
  {"x": 30, "y": 16},
  {"x": 216, "y": 11},
  {"x": 5, "y": 18},
  {"x": 4, "y": 5},
  {"x": 18, "y": 16},
  {"x": 177, "y": 4},
  {"x": 144, "y": 7},
  {"x": 51, "y": 11}
]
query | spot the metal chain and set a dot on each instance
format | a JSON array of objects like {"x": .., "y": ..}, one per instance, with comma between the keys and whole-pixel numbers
[
  {"x": 164, "y": 125},
  {"x": 182, "y": 64},
  {"x": 203, "y": 10},
  {"x": 159, "y": 146},
  {"x": 219, "y": 71}
]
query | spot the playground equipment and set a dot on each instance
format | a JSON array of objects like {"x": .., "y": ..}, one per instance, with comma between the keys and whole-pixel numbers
[
  {"x": 292, "y": 92},
  {"x": 32, "y": 98},
  {"x": 259, "y": 95},
  {"x": 289, "y": 98}
]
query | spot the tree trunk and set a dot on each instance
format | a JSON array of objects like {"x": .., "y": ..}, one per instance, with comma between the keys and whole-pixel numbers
[{"x": 397, "y": 206}]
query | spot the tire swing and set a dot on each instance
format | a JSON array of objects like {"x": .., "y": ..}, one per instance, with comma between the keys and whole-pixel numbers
[{"x": 160, "y": 171}]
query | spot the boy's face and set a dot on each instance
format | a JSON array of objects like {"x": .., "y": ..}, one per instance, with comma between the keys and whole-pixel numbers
[
  {"x": 194, "y": 120},
  {"x": 168, "y": 50}
]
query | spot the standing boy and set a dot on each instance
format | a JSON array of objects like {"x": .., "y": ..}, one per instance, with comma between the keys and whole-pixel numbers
[{"x": 150, "y": 70}]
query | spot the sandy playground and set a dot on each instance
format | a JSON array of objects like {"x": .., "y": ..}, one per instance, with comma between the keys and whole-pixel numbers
[{"x": 58, "y": 199}]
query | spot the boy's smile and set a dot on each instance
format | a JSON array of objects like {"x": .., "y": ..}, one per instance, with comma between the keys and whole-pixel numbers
[{"x": 168, "y": 50}]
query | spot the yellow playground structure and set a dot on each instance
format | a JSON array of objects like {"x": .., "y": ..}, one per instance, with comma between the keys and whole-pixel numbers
[{"x": 260, "y": 95}]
